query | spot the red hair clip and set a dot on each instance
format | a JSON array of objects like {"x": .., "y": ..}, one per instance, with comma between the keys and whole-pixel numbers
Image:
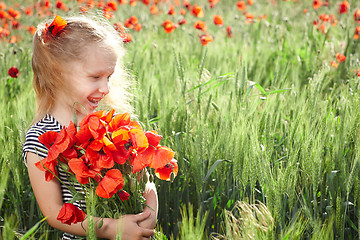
[{"x": 56, "y": 26}]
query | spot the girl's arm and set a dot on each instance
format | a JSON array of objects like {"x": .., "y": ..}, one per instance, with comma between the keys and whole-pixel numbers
[{"x": 49, "y": 198}]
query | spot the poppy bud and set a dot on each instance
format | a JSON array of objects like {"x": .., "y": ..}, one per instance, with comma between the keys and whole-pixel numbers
[
  {"x": 64, "y": 166},
  {"x": 145, "y": 178},
  {"x": 151, "y": 178},
  {"x": 132, "y": 183},
  {"x": 172, "y": 177}
]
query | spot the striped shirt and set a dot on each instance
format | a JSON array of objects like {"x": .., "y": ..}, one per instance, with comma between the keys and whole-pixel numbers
[{"x": 32, "y": 144}]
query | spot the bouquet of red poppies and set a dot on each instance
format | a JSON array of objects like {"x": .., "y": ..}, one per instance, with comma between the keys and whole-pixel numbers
[{"x": 107, "y": 154}]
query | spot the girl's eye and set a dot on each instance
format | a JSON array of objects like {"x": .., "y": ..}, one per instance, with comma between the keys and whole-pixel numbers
[{"x": 96, "y": 77}]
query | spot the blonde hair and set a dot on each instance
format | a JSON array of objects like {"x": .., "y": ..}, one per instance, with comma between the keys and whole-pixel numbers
[{"x": 52, "y": 54}]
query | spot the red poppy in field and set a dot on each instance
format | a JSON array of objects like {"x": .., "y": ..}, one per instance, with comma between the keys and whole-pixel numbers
[
  {"x": 131, "y": 22},
  {"x": 122, "y": 2},
  {"x": 241, "y": 5},
  {"x": 187, "y": 4},
  {"x": 200, "y": 25},
  {"x": 124, "y": 195},
  {"x": 316, "y": 4},
  {"x": 111, "y": 183},
  {"x": 15, "y": 24},
  {"x": 132, "y": 3},
  {"x": 2, "y": 6},
  {"x": 182, "y": 12},
  {"x": 69, "y": 214},
  {"x": 197, "y": 11},
  {"x": 112, "y": 4},
  {"x": 334, "y": 64},
  {"x": 137, "y": 27},
  {"x": 205, "y": 39},
  {"x": 249, "y": 17},
  {"x": 164, "y": 173},
  {"x": 229, "y": 31},
  {"x": 61, "y": 5},
  {"x": 218, "y": 20},
  {"x": 213, "y": 3},
  {"x": 250, "y": 2},
  {"x": 340, "y": 57},
  {"x": 146, "y": 2},
  {"x": 332, "y": 20},
  {"x": 14, "y": 13},
  {"x": 13, "y": 72},
  {"x": 168, "y": 26},
  {"x": 343, "y": 7},
  {"x": 154, "y": 9},
  {"x": 182, "y": 21},
  {"x": 32, "y": 30},
  {"x": 171, "y": 10},
  {"x": 29, "y": 11},
  {"x": 357, "y": 33},
  {"x": 357, "y": 16}
]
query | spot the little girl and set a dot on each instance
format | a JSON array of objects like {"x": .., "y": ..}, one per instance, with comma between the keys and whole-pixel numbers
[{"x": 74, "y": 61}]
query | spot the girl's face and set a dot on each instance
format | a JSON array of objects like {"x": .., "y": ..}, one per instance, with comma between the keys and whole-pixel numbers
[{"x": 87, "y": 81}]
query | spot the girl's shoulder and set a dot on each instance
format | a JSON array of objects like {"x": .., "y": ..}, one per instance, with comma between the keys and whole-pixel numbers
[{"x": 32, "y": 144}]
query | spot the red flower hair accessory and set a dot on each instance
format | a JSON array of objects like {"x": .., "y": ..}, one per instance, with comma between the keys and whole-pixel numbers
[{"x": 56, "y": 26}]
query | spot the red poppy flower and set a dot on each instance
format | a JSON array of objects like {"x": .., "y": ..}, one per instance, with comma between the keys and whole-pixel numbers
[
  {"x": 200, "y": 25},
  {"x": 29, "y": 11},
  {"x": 171, "y": 10},
  {"x": 340, "y": 57},
  {"x": 131, "y": 22},
  {"x": 169, "y": 26},
  {"x": 57, "y": 143},
  {"x": 334, "y": 64},
  {"x": 146, "y": 2},
  {"x": 218, "y": 20},
  {"x": 213, "y": 3},
  {"x": 154, "y": 9},
  {"x": 32, "y": 30},
  {"x": 344, "y": 6},
  {"x": 187, "y": 4},
  {"x": 164, "y": 173},
  {"x": 121, "y": 2},
  {"x": 56, "y": 26},
  {"x": 316, "y": 4},
  {"x": 357, "y": 16},
  {"x": 69, "y": 214},
  {"x": 229, "y": 31},
  {"x": 132, "y": 3},
  {"x": 82, "y": 170},
  {"x": 205, "y": 39},
  {"x": 112, "y": 4},
  {"x": 2, "y": 6},
  {"x": 124, "y": 195},
  {"x": 250, "y": 2},
  {"x": 357, "y": 32},
  {"x": 241, "y": 5},
  {"x": 182, "y": 12},
  {"x": 14, "y": 13},
  {"x": 182, "y": 21},
  {"x": 111, "y": 183},
  {"x": 13, "y": 72},
  {"x": 197, "y": 11}
]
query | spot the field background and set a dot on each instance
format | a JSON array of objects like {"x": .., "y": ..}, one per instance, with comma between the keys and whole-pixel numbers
[{"x": 258, "y": 117}]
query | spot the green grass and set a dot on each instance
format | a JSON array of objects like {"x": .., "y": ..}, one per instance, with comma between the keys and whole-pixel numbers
[{"x": 290, "y": 141}]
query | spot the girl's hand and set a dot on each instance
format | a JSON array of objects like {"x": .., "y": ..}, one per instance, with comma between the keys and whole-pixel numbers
[{"x": 130, "y": 228}]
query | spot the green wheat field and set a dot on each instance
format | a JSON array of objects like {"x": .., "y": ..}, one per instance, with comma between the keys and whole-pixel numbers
[{"x": 265, "y": 122}]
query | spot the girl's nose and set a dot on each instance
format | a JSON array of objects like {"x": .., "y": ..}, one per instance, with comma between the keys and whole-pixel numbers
[{"x": 104, "y": 88}]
